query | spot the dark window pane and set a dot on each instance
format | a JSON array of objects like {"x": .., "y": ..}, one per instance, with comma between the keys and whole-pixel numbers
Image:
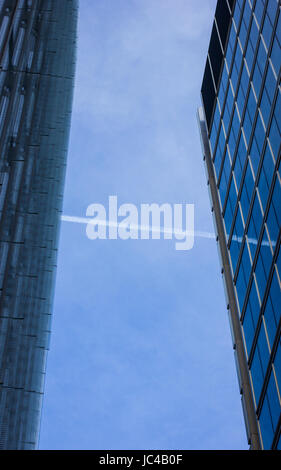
[
  {"x": 266, "y": 425},
  {"x": 246, "y": 194},
  {"x": 236, "y": 241}
]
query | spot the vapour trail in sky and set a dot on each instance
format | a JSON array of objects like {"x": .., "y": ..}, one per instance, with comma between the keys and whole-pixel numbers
[{"x": 108, "y": 223}]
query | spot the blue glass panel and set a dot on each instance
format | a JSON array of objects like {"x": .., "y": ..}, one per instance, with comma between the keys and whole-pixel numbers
[
  {"x": 275, "y": 298},
  {"x": 243, "y": 87},
  {"x": 236, "y": 241},
  {"x": 246, "y": 194},
  {"x": 235, "y": 124},
  {"x": 243, "y": 33},
  {"x": 268, "y": 165},
  {"x": 278, "y": 264},
  {"x": 259, "y": 10},
  {"x": 251, "y": 105},
  {"x": 223, "y": 86},
  {"x": 273, "y": 401},
  {"x": 232, "y": 193},
  {"x": 274, "y": 137},
  {"x": 278, "y": 29},
  {"x": 241, "y": 287},
  {"x": 224, "y": 178},
  {"x": 247, "y": 13},
  {"x": 263, "y": 265},
  {"x": 255, "y": 155},
  {"x": 251, "y": 316},
  {"x": 237, "y": 13},
  {"x": 243, "y": 276},
  {"x": 228, "y": 217},
  {"x": 266, "y": 254},
  {"x": 246, "y": 262},
  {"x": 254, "y": 227},
  {"x": 231, "y": 142},
  {"x": 215, "y": 127},
  {"x": 249, "y": 328},
  {"x": 276, "y": 48},
  {"x": 244, "y": 81},
  {"x": 257, "y": 374},
  {"x": 263, "y": 348},
  {"x": 270, "y": 321},
  {"x": 253, "y": 39},
  {"x": 259, "y": 133},
  {"x": 240, "y": 160},
  {"x": 228, "y": 108},
  {"x": 271, "y": 10},
  {"x": 218, "y": 160},
  {"x": 260, "y": 362},
  {"x": 254, "y": 303},
  {"x": 267, "y": 96},
  {"x": 230, "y": 46},
  {"x": 272, "y": 224},
  {"x": 266, "y": 425},
  {"x": 279, "y": 444},
  {"x": 274, "y": 214},
  {"x": 267, "y": 31},
  {"x": 277, "y": 364},
  {"x": 234, "y": 129},
  {"x": 261, "y": 56},
  {"x": 247, "y": 126},
  {"x": 270, "y": 83},
  {"x": 236, "y": 68},
  {"x": 230, "y": 206},
  {"x": 257, "y": 78},
  {"x": 266, "y": 176},
  {"x": 275, "y": 129}
]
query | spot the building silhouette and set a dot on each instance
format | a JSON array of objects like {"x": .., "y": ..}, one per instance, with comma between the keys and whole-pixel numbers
[
  {"x": 37, "y": 60},
  {"x": 240, "y": 126}
]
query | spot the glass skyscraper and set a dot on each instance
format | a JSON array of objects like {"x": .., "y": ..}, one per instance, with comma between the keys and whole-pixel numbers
[
  {"x": 240, "y": 125},
  {"x": 37, "y": 64}
]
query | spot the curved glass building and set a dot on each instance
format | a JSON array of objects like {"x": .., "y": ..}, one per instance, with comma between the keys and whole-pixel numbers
[
  {"x": 240, "y": 124},
  {"x": 37, "y": 65}
]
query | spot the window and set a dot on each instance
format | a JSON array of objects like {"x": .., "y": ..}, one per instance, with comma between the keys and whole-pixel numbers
[
  {"x": 251, "y": 316},
  {"x": 259, "y": 362},
  {"x": 246, "y": 194},
  {"x": 263, "y": 264},
  {"x": 230, "y": 207},
  {"x": 276, "y": 48},
  {"x": 252, "y": 42},
  {"x": 259, "y": 10},
  {"x": 272, "y": 312},
  {"x": 274, "y": 215},
  {"x": 266, "y": 176},
  {"x": 236, "y": 241},
  {"x": 240, "y": 160},
  {"x": 243, "y": 276},
  {"x": 224, "y": 178},
  {"x": 275, "y": 129},
  {"x": 254, "y": 228}
]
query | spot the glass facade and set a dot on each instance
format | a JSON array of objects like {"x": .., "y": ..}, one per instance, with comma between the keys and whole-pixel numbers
[
  {"x": 243, "y": 124},
  {"x": 37, "y": 64}
]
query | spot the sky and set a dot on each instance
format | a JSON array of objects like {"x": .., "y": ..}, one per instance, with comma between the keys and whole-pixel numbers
[{"x": 141, "y": 353}]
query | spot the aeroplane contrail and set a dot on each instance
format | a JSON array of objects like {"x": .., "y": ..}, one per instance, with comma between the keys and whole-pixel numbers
[
  {"x": 144, "y": 228},
  {"x": 196, "y": 233}
]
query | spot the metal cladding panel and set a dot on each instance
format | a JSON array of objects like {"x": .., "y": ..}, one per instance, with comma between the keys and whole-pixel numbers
[{"x": 37, "y": 58}]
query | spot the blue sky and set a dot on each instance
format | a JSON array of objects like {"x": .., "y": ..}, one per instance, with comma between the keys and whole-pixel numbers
[{"x": 141, "y": 354}]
